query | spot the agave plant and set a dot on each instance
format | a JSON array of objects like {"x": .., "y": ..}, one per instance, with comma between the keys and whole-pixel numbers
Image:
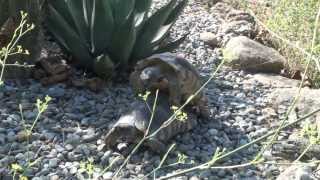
[{"x": 106, "y": 34}]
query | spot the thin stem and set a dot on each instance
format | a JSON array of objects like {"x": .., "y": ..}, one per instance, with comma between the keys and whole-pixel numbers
[
  {"x": 310, "y": 163},
  {"x": 110, "y": 165},
  {"x": 35, "y": 122},
  {"x": 19, "y": 65},
  {"x": 18, "y": 33},
  {"x": 204, "y": 166},
  {"x": 142, "y": 140},
  {"x": 172, "y": 118},
  {"x": 161, "y": 163},
  {"x": 315, "y": 31},
  {"x": 317, "y": 63},
  {"x": 292, "y": 106},
  {"x": 304, "y": 152}
]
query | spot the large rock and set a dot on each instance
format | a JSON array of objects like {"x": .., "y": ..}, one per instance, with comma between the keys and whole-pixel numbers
[
  {"x": 246, "y": 54},
  {"x": 297, "y": 173},
  {"x": 308, "y": 99},
  {"x": 271, "y": 80},
  {"x": 284, "y": 91}
]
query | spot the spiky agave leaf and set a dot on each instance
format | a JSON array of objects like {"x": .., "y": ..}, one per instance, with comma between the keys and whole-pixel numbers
[
  {"x": 68, "y": 38},
  {"x": 165, "y": 29},
  {"x": 122, "y": 10},
  {"x": 142, "y": 8},
  {"x": 170, "y": 46},
  {"x": 120, "y": 29},
  {"x": 123, "y": 42},
  {"x": 149, "y": 30},
  {"x": 103, "y": 67},
  {"x": 80, "y": 26},
  {"x": 156, "y": 30},
  {"x": 76, "y": 10},
  {"x": 102, "y": 26},
  {"x": 62, "y": 8}
]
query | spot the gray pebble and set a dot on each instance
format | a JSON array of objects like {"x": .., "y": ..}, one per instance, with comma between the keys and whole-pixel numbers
[
  {"x": 53, "y": 162},
  {"x": 213, "y": 132},
  {"x": 56, "y": 92}
]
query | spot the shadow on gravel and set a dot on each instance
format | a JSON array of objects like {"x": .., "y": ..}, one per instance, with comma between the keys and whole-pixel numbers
[{"x": 72, "y": 129}]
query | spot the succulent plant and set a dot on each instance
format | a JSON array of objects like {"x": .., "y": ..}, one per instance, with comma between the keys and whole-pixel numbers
[{"x": 112, "y": 33}]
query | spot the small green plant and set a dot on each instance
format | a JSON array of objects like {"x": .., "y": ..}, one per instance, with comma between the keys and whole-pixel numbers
[
  {"x": 145, "y": 96},
  {"x": 87, "y": 167},
  {"x": 312, "y": 132},
  {"x": 13, "y": 48},
  {"x": 104, "y": 35},
  {"x": 20, "y": 170},
  {"x": 180, "y": 115},
  {"x": 9, "y": 21}
]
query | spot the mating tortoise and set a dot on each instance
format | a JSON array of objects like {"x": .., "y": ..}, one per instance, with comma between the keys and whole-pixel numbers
[
  {"x": 132, "y": 126},
  {"x": 172, "y": 74}
]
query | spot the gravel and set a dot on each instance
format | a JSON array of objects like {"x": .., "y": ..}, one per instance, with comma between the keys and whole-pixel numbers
[{"x": 77, "y": 114}]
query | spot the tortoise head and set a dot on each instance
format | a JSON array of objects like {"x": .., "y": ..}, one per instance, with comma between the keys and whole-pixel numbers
[
  {"x": 123, "y": 134},
  {"x": 153, "y": 78}
]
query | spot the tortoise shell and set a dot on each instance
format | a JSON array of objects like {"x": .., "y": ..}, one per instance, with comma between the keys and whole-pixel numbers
[
  {"x": 186, "y": 79},
  {"x": 176, "y": 63}
]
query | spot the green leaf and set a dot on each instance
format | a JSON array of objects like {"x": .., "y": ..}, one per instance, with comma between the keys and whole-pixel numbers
[
  {"x": 123, "y": 41},
  {"x": 76, "y": 10},
  {"x": 102, "y": 26},
  {"x": 170, "y": 46},
  {"x": 69, "y": 38},
  {"x": 87, "y": 11},
  {"x": 122, "y": 10},
  {"x": 161, "y": 34},
  {"x": 142, "y": 8},
  {"x": 176, "y": 12},
  {"x": 150, "y": 29},
  {"x": 165, "y": 29},
  {"x": 62, "y": 8}
]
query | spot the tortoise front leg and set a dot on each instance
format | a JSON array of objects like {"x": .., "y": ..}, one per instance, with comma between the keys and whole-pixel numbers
[
  {"x": 199, "y": 106},
  {"x": 202, "y": 107},
  {"x": 175, "y": 92},
  {"x": 156, "y": 146}
]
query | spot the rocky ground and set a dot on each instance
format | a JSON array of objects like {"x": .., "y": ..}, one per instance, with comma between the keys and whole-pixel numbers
[{"x": 64, "y": 138}]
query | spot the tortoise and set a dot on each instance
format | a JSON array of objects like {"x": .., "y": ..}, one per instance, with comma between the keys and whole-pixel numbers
[
  {"x": 132, "y": 126},
  {"x": 173, "y": 75}
]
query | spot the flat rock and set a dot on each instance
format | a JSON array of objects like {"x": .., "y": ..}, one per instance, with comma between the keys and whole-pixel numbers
[
  {"x": 297, "y": 173},
  {"x": 308, "y": 101},
  {"x": 272, "y": 80},
  {"x": 249, "y": 55}
]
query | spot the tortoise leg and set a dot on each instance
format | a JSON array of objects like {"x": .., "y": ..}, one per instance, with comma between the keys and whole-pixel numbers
[
  {"x": 202, "y": 108},
  {"x": 156, "y": 146},
  {"x": 175, "y": 93}
]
